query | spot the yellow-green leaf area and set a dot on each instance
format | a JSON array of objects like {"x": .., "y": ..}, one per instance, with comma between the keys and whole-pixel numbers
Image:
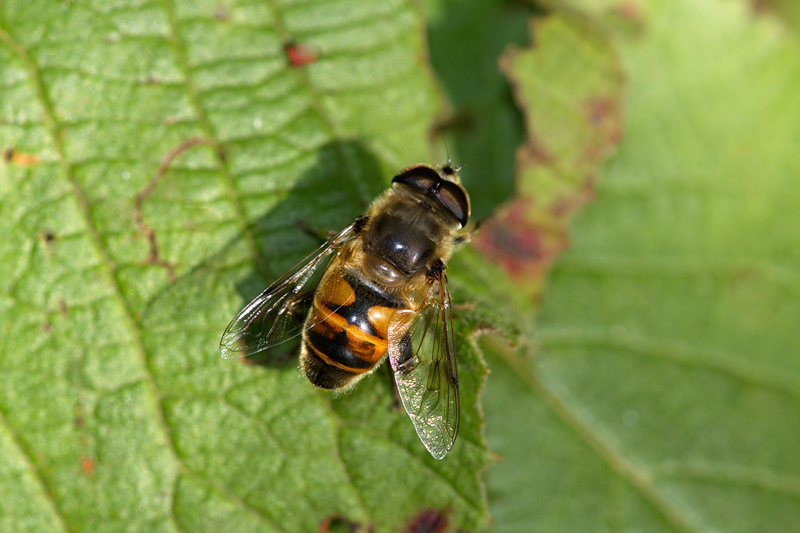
[{"x": 663, "y": 393}]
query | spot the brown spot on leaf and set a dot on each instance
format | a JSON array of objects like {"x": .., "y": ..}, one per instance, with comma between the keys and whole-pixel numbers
[
  {"x": 338, "y": 523},
  {"x": 770, "y": 7},
  {"x": 605, "y": 118},
  {"x": 12, "y": 156},
  {"x": 534, "y": 153},
  {"x": 428, "y": 521},
  {"x": 47, "y": 238},
  {"x": 222, "y": 152},
  {"x": 563, "y": 207},
  {"x": 148, "y": 232},
  {"x": 222, "y": 12},
  {"x": 743, "y": 276}
]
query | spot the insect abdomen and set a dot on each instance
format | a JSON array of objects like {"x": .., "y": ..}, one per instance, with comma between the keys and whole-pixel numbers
[{"x": 346, "y": 331}]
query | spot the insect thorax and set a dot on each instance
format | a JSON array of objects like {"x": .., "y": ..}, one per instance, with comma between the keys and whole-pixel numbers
[{"x": 405, "y": 235}]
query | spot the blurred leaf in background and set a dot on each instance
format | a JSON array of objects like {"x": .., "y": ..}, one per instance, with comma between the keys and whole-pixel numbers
[
  {"x": 156, "y": 158},
  {"x": 663, "y": 391}
]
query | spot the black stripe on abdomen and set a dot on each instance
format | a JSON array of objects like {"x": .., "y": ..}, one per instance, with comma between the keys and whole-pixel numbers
[{"x": 337, "y": 348}]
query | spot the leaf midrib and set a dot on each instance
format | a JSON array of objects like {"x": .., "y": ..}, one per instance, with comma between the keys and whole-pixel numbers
[
  {"x": 709, "y": 358},
  {"x": 105, "y": 261},
  {"x": 641, "y": 480}
]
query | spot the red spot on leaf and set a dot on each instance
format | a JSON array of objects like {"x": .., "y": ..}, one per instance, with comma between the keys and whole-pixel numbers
[
  {"x": 630, "y": 10},
  {"x": 87, "y": 465},
  {"x": 300, "y": 55},
  {"x": 520, "y": 246}
]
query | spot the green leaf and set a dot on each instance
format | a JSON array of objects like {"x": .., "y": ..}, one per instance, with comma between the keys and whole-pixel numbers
[
  {"x": 570, "y": 91},
  {"x": 159, "y": 155},
  {"x": 663, "y": 393}
]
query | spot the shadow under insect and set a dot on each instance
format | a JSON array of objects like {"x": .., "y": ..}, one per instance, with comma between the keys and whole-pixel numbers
[
  {"x": 194, "y": 309},
  {"x": 328, "y": 197}
]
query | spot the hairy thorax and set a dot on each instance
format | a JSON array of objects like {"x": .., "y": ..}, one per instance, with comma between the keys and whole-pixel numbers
[{"x": 405, "y": 235}]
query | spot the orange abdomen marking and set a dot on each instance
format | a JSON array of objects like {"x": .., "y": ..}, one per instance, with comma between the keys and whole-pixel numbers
[{"x": 348, "y": 328}]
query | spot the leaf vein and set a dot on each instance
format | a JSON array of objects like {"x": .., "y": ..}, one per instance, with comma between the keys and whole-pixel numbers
[
  {"x": 778, "y": 381},
  {"x": 760, "y": 478},
  {"x": 643, "y": 481},
  {"x": 94, "y": 236},
  {"x": 42, "y": 486}
]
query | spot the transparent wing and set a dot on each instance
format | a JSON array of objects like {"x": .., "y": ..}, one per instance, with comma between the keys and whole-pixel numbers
[
  {"x": 424, "y": 364},
  {"x": 276, "y": 315}
]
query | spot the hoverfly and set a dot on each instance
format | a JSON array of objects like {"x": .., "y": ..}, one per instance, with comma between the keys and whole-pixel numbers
[{"x": 383, "y": 291}]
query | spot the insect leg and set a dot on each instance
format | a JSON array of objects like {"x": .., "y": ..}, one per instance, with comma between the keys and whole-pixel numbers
[
  {"x": 318, "y": 234},
  {"x": 393, "y": 386}
]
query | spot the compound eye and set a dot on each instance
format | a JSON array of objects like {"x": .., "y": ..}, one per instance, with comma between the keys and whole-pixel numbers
[
  {"x": 422, "y": 178},
  {"x": 455, "y": 200},
  {"x": 450, "y": 195}
]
